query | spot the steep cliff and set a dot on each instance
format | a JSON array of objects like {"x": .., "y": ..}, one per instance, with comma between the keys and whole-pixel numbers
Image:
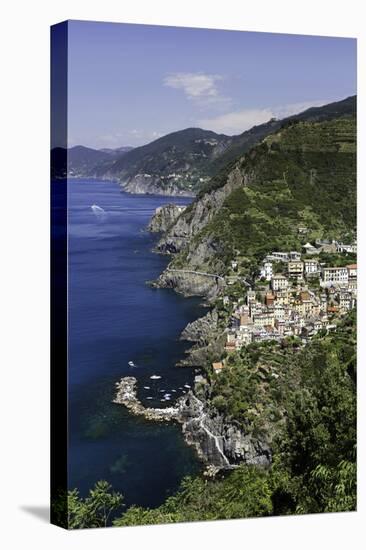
[
  {"x": 217, "y": 442},
  {"x": 164, "y": 217},
  {"x": 199, "y": 214},
  {"x": 190, "y": 283},
  {"x": 209, "y": 337},
  {"x": 304, "y": 174}
]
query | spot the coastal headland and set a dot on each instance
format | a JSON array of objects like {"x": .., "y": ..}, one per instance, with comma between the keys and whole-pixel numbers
[{"x": 219, "y": 444}]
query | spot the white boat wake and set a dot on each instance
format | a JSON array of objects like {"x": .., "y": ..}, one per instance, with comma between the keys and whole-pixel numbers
[{"x": 99, "y": 212}]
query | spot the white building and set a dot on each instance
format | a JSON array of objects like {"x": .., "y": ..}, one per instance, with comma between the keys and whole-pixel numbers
[
  {"x": 279, "y": 312},
  {"x": 244, "y": 337},
  {"x": 264, "y": 320},
  {"x": 279, "y": 282},
  {"x": 311, "y": 266},
  {"x": 279, "y": 256},
  {"x": 345, "y": 301},
  {"x": 335, "y": 275},
  {"x": 347, "y": 248},
  {"x": 295, "y": 268},
  {"x": 266, "y": 271},
  {"x": 251, "y": 296}
]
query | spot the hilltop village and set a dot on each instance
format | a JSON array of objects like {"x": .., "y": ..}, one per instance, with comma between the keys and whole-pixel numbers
[{"x": 295, "y": 295}]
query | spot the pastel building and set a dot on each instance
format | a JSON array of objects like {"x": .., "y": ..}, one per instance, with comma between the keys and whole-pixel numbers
[{"x": 295, "y": 268}]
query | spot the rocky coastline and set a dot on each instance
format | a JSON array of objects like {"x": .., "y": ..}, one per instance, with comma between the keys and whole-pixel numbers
[
  {"x": 219, "y": 444},
  {"x": 189, "y": 283},
  {"x": 164, "y": 218},
  {"x": 201, "y": 212},
  {"x": 208, "y": 340},
  {"x": 140, "y": 185}
]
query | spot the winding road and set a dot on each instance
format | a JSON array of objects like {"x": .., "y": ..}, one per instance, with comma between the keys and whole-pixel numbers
[{"x": 204, "y": 274}]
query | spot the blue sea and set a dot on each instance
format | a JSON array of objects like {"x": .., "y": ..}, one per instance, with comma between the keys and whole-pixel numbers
[{"x": 114, "y": 318}]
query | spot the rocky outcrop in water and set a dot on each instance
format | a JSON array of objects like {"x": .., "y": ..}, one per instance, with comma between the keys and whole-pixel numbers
[
  {"x": 218, "y": 443},
  {"x": 164, "y": 217},
  {"x": 126, "y": 395}
]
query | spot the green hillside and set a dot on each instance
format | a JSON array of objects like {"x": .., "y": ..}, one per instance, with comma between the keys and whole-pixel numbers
[
  {"x": 303, "y": 175},
  {"x": 245, "y": 141},
  {"x": 182, "y": 157}
]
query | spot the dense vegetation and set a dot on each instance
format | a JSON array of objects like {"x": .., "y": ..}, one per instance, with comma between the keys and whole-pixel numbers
[
  {"x": 245, "y": 141},
  {"x": 301, "y": 400},
  {"x": 303, "y": 175},
  {"x": 307, "y": 410},
  {"x": 96, "y": 510}
]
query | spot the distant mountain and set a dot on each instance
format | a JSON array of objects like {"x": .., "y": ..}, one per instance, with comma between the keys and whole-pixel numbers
[
  {"x": 116, "y": 151},
  {"x": 177, "y": 163},
  {"x": 188, "y": 162},
  {"x": 302, "y": 175},
  {"x": 83, "y": 161}
]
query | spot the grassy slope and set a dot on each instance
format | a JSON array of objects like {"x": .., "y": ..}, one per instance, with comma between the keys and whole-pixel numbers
[
  {"x": 248, "y": 139},
  {"x": 304, "y": 174}
]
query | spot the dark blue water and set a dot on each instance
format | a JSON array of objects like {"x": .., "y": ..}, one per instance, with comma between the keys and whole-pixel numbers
[{"x": 114, "y": 318}]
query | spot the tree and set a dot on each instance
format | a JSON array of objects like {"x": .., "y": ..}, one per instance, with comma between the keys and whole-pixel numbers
[
  {"x": 96, "y": 509},
  {"x": 247, "y": 493}
]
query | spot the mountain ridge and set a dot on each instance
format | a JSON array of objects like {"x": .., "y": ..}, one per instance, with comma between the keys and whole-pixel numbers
[
  {"x": 185, "y": 162},
  {"x": 304, "y": 174}
]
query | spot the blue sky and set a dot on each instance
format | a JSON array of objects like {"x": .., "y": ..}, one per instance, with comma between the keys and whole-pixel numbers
[{"x": 130, "y": 84}]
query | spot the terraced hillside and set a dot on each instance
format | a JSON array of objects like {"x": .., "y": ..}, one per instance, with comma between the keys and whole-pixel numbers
[{"x": 303, "y": 175}]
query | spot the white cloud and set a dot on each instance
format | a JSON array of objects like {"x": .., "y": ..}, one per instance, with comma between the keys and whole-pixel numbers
[
  {"x": 293, "y": 108},
  {"x": 196, "y": 86},
  {"x": 238, "y": 121}
]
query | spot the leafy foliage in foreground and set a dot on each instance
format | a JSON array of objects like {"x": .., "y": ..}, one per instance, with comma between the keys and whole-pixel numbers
[
  {"x": 96, "y": 510},
  {"x": 245, "y": 492}
]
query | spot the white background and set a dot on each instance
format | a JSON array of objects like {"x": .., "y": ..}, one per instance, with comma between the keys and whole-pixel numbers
[{"x": 24, "y": 305}]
